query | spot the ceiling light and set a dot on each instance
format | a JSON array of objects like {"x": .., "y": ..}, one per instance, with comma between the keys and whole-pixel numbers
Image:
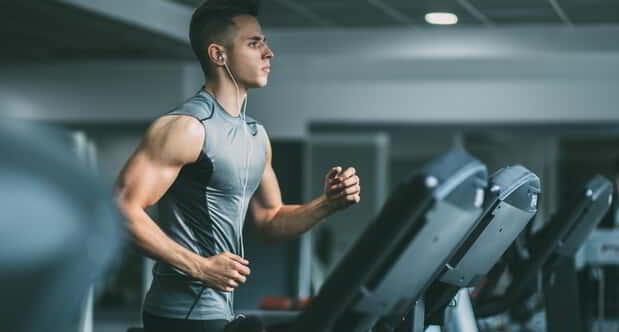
[{"x": 441, "y": 18}]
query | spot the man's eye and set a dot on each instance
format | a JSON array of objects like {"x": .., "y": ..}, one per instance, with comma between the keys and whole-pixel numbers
[{"x": 253, "y": 44}]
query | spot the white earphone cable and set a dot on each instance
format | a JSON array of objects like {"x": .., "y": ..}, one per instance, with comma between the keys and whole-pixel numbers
[{"x": 243, "y": 108}]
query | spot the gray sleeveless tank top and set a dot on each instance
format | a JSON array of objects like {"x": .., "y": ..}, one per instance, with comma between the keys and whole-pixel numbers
[{"x": 204, "y": 209}]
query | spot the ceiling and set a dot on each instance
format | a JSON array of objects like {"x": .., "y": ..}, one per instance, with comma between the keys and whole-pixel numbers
[
  {"x": 40, "y": 30},
  {"x": 379, "y": 13}
]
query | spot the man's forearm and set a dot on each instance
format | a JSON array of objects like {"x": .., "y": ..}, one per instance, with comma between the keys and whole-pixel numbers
[
  {"x": 156, "y": 244},
  {"x": 291, "y": 221}
]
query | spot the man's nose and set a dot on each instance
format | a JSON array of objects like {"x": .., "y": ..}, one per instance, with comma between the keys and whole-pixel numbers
[{"x": 269, "y": 53}]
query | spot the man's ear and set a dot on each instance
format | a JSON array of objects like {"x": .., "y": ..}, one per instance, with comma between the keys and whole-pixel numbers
[{"x": 216, "y": 54}]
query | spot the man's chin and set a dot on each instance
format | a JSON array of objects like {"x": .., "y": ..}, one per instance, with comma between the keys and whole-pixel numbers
[{"x": 260, "y": 84}]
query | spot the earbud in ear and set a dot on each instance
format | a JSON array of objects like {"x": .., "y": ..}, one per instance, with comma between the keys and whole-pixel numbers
[{"x": 222, "y": 57}]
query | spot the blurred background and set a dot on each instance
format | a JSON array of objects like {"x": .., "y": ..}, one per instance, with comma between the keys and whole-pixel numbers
[{"x": 378, "y": 84}]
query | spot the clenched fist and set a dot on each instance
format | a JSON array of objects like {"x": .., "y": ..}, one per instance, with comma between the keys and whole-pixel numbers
[
  {"x": 224, "y": 272},
  {"x": 342, "y": 188}
]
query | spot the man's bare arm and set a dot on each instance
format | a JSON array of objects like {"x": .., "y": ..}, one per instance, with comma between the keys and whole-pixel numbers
[
  {"x": 169, "y": 144},
  {"x": 277, "y": 221}
]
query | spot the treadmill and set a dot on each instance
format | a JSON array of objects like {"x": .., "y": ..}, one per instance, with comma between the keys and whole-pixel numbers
[
  {"x": 402, "y": 251},
  {"x": 511, "y": 203},
  {"x": 552, "y": 252}
]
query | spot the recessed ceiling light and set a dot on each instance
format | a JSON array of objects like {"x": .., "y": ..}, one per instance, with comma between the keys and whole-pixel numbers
[{"x": 441, "y": 18}]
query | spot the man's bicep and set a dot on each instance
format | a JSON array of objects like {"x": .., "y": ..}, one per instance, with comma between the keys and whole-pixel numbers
[{"x": 145, "y": 179}]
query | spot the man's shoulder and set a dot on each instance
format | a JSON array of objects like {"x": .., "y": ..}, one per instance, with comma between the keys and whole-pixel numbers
[
  {"x": 198, "y": 106},
  {"x": 175, "y": 138},
  {"x": 176, "y": 127}
]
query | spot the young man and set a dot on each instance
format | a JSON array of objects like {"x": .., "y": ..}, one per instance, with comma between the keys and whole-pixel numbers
[{"x": 207, "y": 165}]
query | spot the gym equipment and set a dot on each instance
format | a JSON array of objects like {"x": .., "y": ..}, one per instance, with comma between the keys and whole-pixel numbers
[
  {"x": 552, "y": 253},
  {"x": 60, "y": 229},
  {"x": 598, "y": 261},
  {"x": 402, "y": 251},
  {"x": 511, "y": 203}
]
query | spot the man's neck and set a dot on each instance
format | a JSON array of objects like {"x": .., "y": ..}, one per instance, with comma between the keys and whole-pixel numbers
[{"x": 226, "y": 94}]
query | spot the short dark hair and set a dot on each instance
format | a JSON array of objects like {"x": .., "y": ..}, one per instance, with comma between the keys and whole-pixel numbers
[{"x": 211, "y": 23}]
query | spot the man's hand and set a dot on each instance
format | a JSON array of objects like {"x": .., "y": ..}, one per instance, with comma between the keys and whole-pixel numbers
[
  {"x": 224, "y": 272},
  {"x": 342, "y": 188}
]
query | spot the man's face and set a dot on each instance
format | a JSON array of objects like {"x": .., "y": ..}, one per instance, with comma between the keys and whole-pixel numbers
[{"x": 250, "y": 56}]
